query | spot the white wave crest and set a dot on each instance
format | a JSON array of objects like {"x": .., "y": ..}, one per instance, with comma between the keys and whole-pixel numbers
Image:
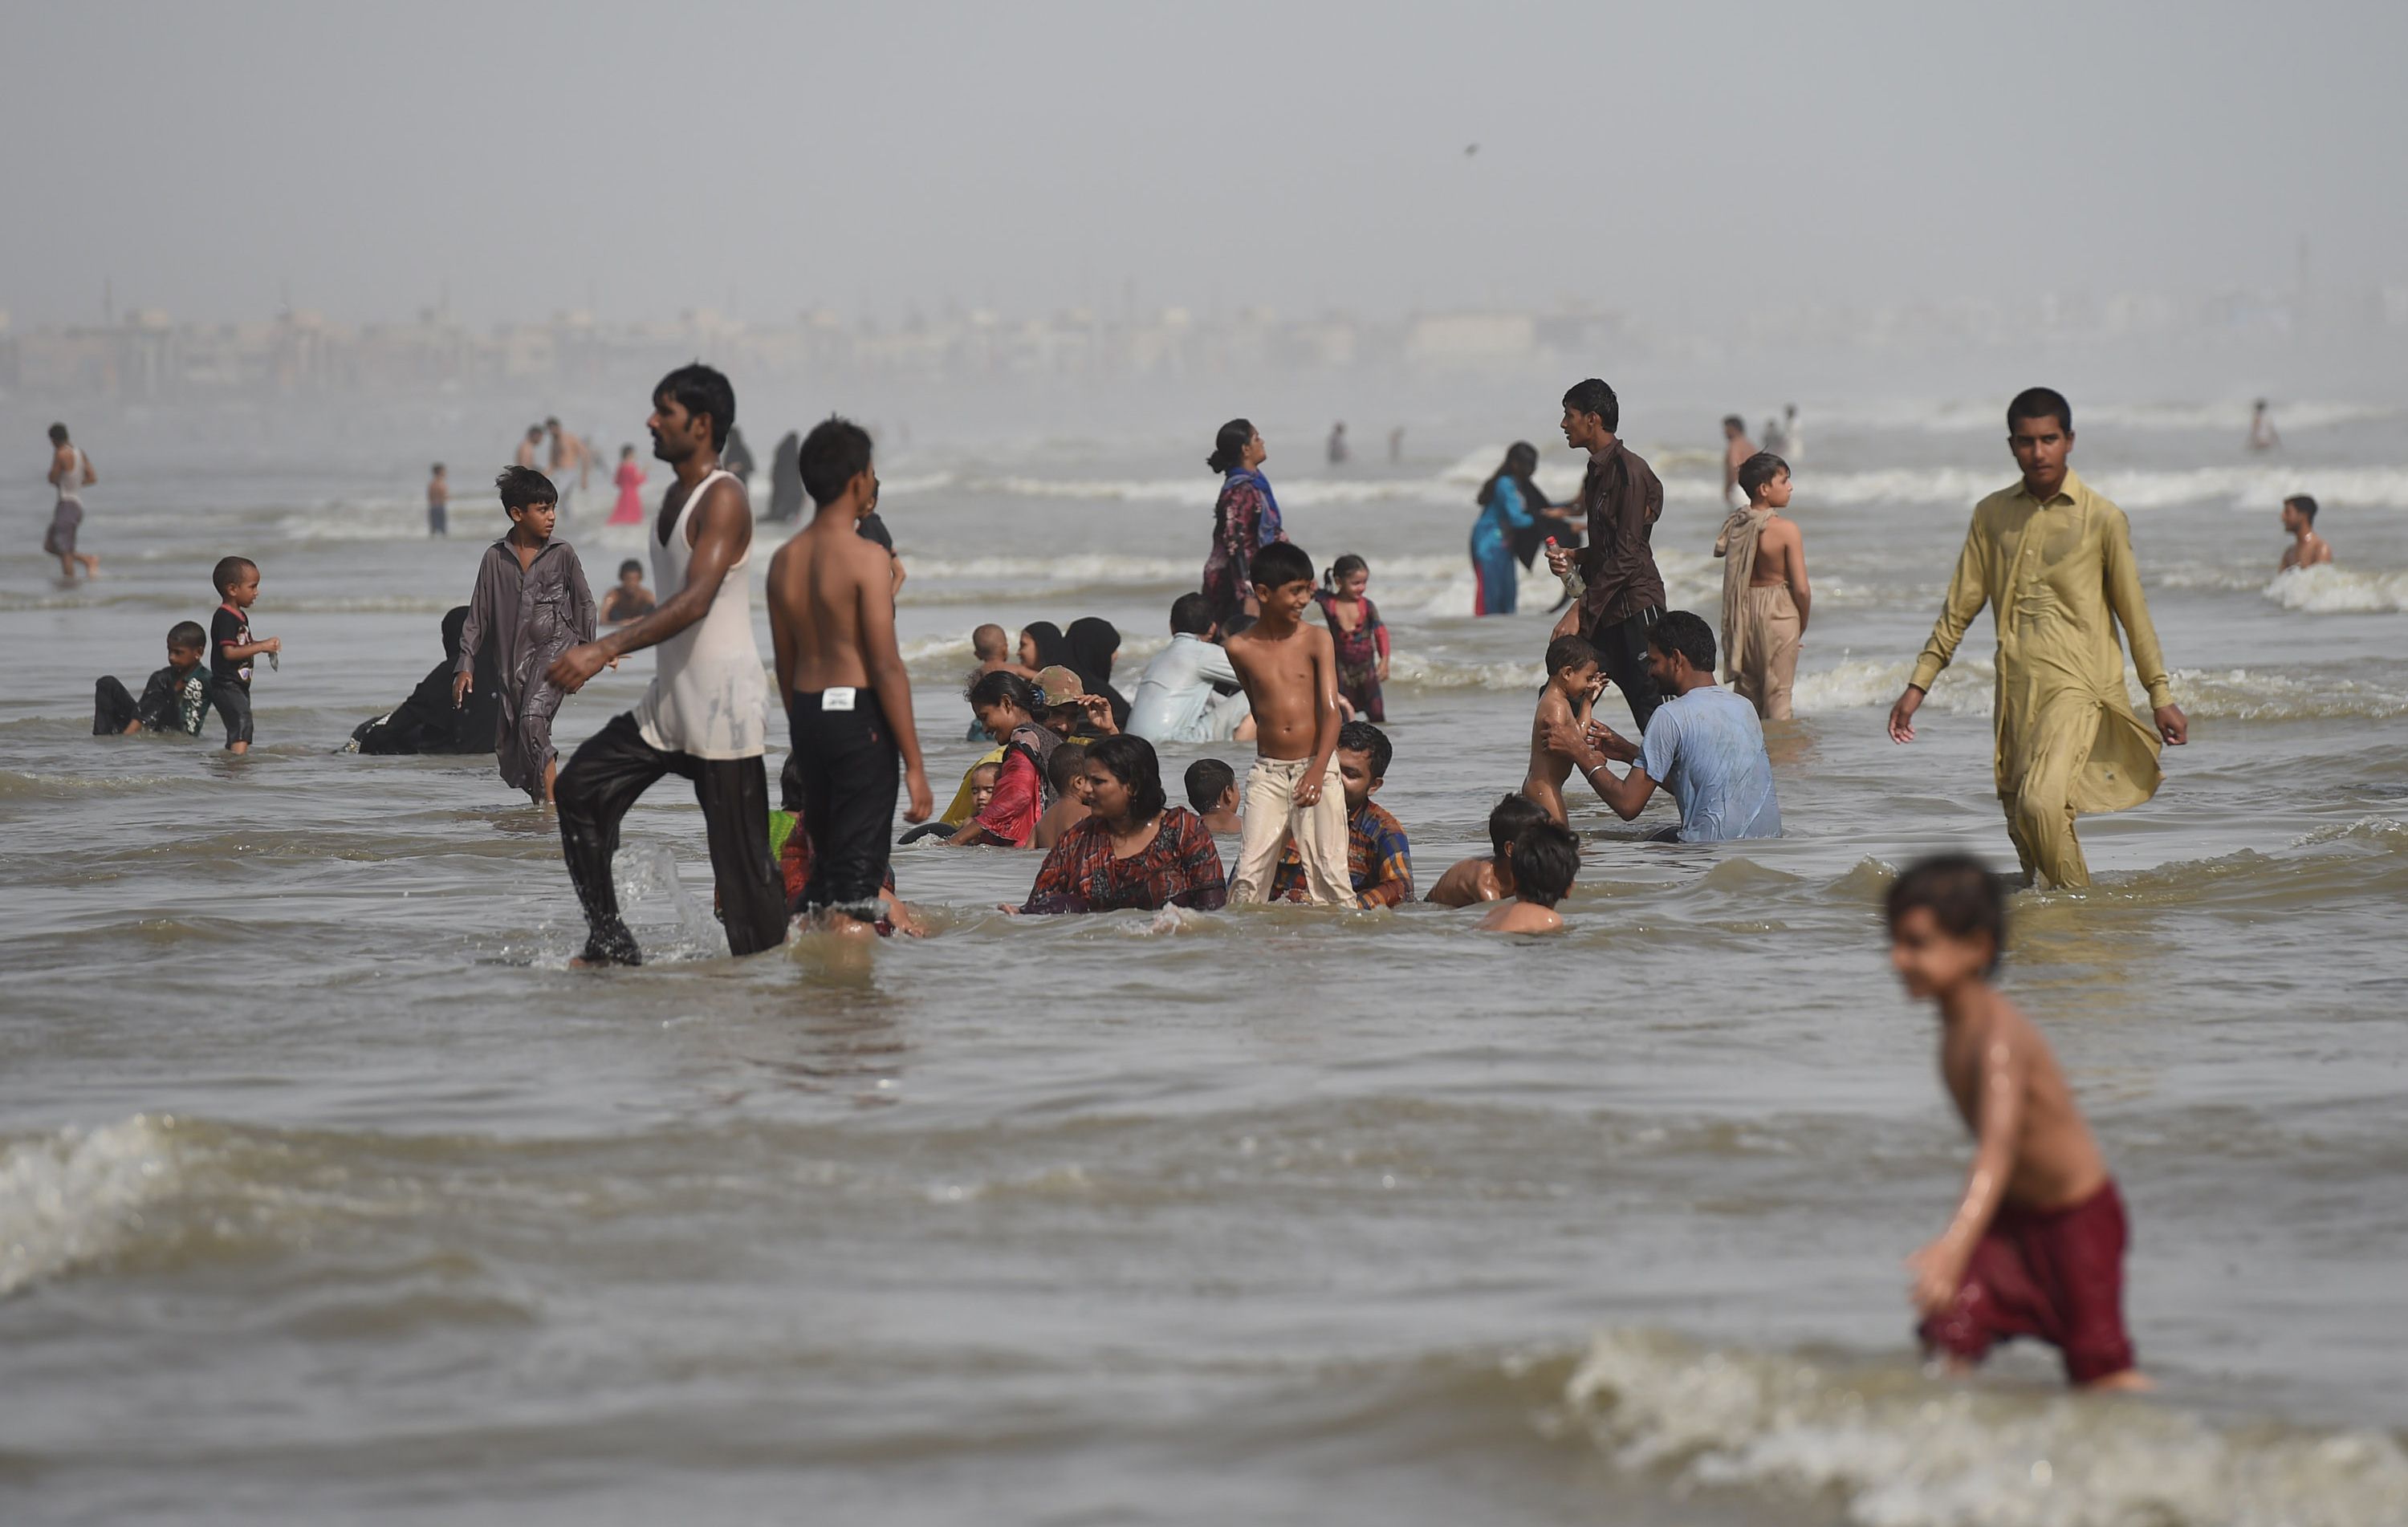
[
  {"x": 2328, "y": 589},
  {"x": 72, "y": 1197}
]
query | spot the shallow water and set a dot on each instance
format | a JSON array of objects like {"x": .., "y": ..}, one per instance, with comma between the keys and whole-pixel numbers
[{"x": 328, "y": 1192}]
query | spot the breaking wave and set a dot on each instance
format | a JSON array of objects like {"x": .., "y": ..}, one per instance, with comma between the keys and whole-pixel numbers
[{"x": 2328, "y": 590}]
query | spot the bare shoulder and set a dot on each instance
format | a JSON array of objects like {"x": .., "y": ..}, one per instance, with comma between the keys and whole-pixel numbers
[{"x": 1782, "y": 532}]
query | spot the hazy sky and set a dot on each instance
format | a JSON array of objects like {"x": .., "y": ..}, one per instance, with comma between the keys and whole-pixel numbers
[{"x": 763, "y": 158}]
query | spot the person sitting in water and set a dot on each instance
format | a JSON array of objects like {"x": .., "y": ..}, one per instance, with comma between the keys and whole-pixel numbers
[
  {"x": 1379, "y": 860},
  {"x": 1133, "y": 851},
  {"x": 1093, "y": 642},
  {"x": 2307, "y": 547},
  {"x": 790, "y": 842},
  {"x": 1064, "y": 774},
  {"x": 1704, "y": 745},
  {"x": 1546, "y": 858},
  {"x": 1476, "y": 879},
  {"x": 628, "y": 597},
  {"x": 1007, "y": 707},
  {"x": 1188, "y": 692},
  {"x": 1065, "y": 706},
  {"x": 176, "y": 698},
  {"x": 1212, "y": 791},
  {"x": 427, "y": 723}
]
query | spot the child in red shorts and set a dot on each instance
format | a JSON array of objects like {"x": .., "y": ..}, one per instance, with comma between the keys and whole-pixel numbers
[{"x": 2037, "y": 1247}]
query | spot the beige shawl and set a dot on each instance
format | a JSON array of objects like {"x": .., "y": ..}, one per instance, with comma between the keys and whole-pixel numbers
[{"x": 1736, "y": 545}]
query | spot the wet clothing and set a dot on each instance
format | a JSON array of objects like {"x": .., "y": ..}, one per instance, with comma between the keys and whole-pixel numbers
[
  {"x": 2058, "y": 577},
  {"x": 620, "y": 604},
  {"x": 1379, "y": 861},
  {"x": 1245, "y": 519},
  {"x": 1708, "y": 750},
  {"x": 708, "y": 697},
  {"x": 1188, "y": 694},
  {"x": 1270, "y": 821},
  {"x": 1622, "y": 654},
  {"x": 171, "y": 702},
  {"x": 1505, "y": 516},
  {"x": 1181, "y": 867},
  {"x": 1093, "y": 642},
  {"x": 1021, "y": 793},
  {"x": 438, "y": 511},
  {"x": 66, "y": 515},
  {"x": 427, "y": 721},
  {"x": 2056, "y": 1274},
  {"x": 1760, "y": 626},
  {"x": 230, "y": 677},
  {"x": 529, "y": 617},
  {"x": 629, "y": 509},
  {"x": 601, "y": 783},
  {"x": 786, "y": 477},
  {"x": 1622, "y": 499},
  {"x": 849, "y": 768},
  {"x": 1358, "y": 656}
]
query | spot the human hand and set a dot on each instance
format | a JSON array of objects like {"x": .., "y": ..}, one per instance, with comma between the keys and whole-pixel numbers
[
  {"x": 461, "y": 685},
  {"x": 916, "y": 783},
  {"x": 1902, "y": 715},
  {"x": 1308, "y": 792},
  {"x": 2173, "y": 725},
  {"x": 1567, "y": 736},
  {"x": 1559, "y": 560},
  {"x": 272, "y": 644},
  {"x": 1099, "y": 713},
  {"x": 572, "y": 669},
  {"x": 1938, "y": 1270},
  {"x": 1384, "y": 670}
]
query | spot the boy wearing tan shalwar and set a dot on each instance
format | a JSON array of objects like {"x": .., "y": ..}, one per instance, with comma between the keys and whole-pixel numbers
[{"x": 1766, "y": 597}]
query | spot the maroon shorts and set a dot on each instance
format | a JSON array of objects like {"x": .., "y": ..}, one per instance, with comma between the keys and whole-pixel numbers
[{"x": 2056, "y": 1274}]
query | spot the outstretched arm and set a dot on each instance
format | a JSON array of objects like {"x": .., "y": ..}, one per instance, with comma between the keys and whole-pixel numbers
[
  {"x": 723, "y": 530},
  {"x": 1939, "y": 1266},
  {"x": 1627, "y": 794}
]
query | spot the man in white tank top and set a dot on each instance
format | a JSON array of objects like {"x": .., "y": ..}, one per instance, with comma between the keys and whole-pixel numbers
[
  {"x": 706, "y": 715},
  {"x": 70, "y": 472}
]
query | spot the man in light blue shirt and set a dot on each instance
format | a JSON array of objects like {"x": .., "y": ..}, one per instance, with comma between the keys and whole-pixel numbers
[
  {"x": 1704, "y": 745},
  {"x": 1175, "y": 700}
]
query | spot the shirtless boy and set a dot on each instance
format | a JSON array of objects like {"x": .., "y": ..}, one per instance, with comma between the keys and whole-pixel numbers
[
  {"x": 1546, "y": 858},
  {"x": 1766, "y": 597},
  {"x": 1212, "y": 792},
  {"x": 1067, "y": 772},
  {"x": 2037, "y": 1244},
  {"x": 1489, "y": 879},
  {"x": 2307, "y": 547},
  {"x": 1290, "y": 674},
  {"x": 1572, "y": 688},
  {"x": 1737, "y": 449},
  {"x": 846, "y": 696}
]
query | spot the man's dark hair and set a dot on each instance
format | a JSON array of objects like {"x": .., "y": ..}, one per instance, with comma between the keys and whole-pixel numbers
[
  {"x": 1208, "y": 779},
  {"x": 1569, "y": 651},
  {"x": 435, "y": 470},
  {"x": 187, "y": 635},
  {"x": 1280, "y": 564},
  {"x": 1062, "y": 765},
  {"x": 222, "y": 575},
  {"x": 700, "y": 390},
  {"x": 1363, "y": 737},
  {"x": 1507, "y": 818},
  {"x": 1546, "y": 859},
  {"x": 1960, "y": 891},
  {"x": 1190, "y": 615},
  {"x": 1229, "y": 446},
  {"x": 1594, "y": 398},
  {"x": 58, "y": 435},
  {"x": 2041, "y": 402},
  {"x": 524, "y": 488},
  {"x": 835, "y": 453},
  {"x": 1758, "y": 470},
  {"x": 630, "y": 565},
  {"x": 2305, "y": 505},
  {"x": 1000, "y": 688},
  {"x": 1685, "y": 634},
  {"x": 1131, "y": 761},
  {"x": 1733, "y": 422}
]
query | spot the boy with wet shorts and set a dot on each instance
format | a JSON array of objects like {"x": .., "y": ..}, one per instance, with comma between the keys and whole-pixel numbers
[
  {"x": 1293, "y": 792},
  {"x": 231, "y": 647}
]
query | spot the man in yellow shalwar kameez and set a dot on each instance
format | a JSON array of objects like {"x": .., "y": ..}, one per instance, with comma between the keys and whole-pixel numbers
[{"x": 2054, "y": 562}]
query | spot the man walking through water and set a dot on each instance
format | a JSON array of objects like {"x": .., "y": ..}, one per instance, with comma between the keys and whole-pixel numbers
[
  {"x": 705, "y": 715},
  {"x": 1621, "y": 595},
  {"x": 2054, "y": 562}
]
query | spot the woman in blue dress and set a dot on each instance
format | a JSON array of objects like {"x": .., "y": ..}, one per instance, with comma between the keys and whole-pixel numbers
[{"x": 1508, "y": 530}]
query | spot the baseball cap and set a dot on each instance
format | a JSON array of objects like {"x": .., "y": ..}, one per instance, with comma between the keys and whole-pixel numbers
[{"x": 1057, "y": 686}]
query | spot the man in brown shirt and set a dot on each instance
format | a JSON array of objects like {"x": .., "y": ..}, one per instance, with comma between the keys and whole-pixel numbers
[{"x": 1622, "y": 596}]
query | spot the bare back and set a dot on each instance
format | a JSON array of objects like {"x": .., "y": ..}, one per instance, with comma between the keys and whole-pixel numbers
[
  {"x": 1288, "y": 679},
  {"x": 2055, "y": 1161},
  {"x": 1779, "y": 549},
  {"x": 1549, "y": 768},
  {"x": 1467, "y": 880},
  {"x": 821, "y": 583}
]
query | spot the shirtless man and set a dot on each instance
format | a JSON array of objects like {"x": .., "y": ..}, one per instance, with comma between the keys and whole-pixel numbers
[
  {"x": 2307, "y": 547},
  {"x": 848, "y": 698},
  {"x": 2262, "y": 428},
  {"x": 1290, "y": 674},
  {"x": 528, "y": 447},
  {"x": 1737, "y": 449},
  {"x": 70, "y": 473},
  {"x": 568, "y": 451},
  {"x": 704, "y": 717},
  {"x": 1572, "y": 687}
]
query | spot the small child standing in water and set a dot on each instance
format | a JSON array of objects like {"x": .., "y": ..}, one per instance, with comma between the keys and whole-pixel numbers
[
  {"x": 2037, "y": 1244},
  {"x": 231, "y": 647},
  {"x": 1546, "y": 860},
  {"x": 1571, "y": 691},
  {"x": 439, "y": 501},
  {"x": 531, "y": 600},
  {"x": 1361, "y": 637}
]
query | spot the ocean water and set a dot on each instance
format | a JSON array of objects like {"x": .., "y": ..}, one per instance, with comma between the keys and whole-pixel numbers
[{"x": 329, "y": 1193}]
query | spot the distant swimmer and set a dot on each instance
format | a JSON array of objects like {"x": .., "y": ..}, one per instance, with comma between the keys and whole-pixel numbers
[
  {"x": 1339, "y": 451},
  {"x": 2307, "y": 547},
  {"x": 71, "y": 473},
  {"x": 2036, "y": 1247},
  {"x": 2262, "y": 428},
  {"x": 1766, "y": 596},
  {"x": 1396, "y": 445},
  {"x": 439, "y": 501},
  {"x": 529, "y": 447},
  {"x": 704, "y": 717},
  {"x": 1737, "y": 449},
  {"x": 1546, "y": 860},
  {"x": 841, "y": 677},
  {"x": 1489, "y": 878},
  {"x": 2054, "y": 562},
  {"x": 569, "y": 454},
  {"x": 1572, "y": 687},
  {"x": 1793, "y": 434}
]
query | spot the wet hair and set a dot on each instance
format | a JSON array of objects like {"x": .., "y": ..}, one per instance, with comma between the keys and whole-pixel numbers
[
  {"x": 835, "y": 453},
  {"x": 990, "y": 641},
  {"x": 187, "y": 635},
  {"x": 630, "y": 565},
  {"x": 1343, "y": 568},
  {"x": 2041, "y": 402},
  {"x": 1363, "y": 737},
  {"x": 1509, "y": 816},
  {"x": 700, "y": 390},
  {"x": 1685, "y": 634},
  {"x": 1062, "y": 765},
  {"x": 2305, "y": 505},
  {"x": 1208, "y": 780},
  {"x": 1569, "y": 651},
  {"x": 1280, "y": 564},
  {"x": 1130, "y": 760},
  {"x": 1594, "y": 398},
  {"x": 1003, "y": 688},
  {"x": 1546, "y": 860},
  {"x": 228, "y": 569},
  {"x": 524, "y": 488},
  {"x": 58, "y": 435},
  {"x": 1229, "y": 446},
  {"x": 1960, "y": 894},
  {"x": 1757, "y": 472},
  {"x": 1191, "y": 614},
  {"x": 1733, "y": 422},
  {"x": 437, "y": 469}
]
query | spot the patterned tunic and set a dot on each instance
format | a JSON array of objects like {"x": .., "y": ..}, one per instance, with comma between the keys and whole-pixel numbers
[
  {"x": 1181, "y": 867},
  {"x": 1359, "y": 657},
  {"x": 1379, "y": 861},
  {"x": 1244, "y": 521}
]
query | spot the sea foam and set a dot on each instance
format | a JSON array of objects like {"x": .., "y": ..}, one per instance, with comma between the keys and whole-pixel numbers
[{"x": 74, "y": 1196}]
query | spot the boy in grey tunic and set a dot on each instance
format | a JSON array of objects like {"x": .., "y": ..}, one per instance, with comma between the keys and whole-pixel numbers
[{"x": 531, "y": 602}]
